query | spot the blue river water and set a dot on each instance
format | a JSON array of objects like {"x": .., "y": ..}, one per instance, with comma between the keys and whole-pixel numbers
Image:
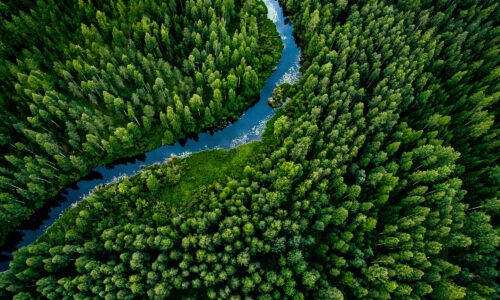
[{"x": 247, "y": 128}]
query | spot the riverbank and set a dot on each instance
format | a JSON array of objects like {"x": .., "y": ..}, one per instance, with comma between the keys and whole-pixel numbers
[{"x": 195, "y": 174}]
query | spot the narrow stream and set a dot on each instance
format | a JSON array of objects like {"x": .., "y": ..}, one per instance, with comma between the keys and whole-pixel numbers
[{"x": 247, "y": 128}]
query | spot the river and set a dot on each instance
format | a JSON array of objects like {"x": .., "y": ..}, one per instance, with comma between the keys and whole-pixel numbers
[{"x": 247, "y": 128}]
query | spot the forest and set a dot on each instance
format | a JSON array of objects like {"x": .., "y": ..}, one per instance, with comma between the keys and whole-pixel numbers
[
  {"x": 378, "y": 179},
  {"x": 115, "y": 80}
]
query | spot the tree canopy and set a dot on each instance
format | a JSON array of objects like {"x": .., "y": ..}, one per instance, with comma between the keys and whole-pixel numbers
[
  {"x": 377, "y": 179},
  {"x": 85, "y": 83}
]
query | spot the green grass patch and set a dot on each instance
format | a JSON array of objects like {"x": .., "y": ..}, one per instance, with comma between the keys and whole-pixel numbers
[{"x": 207, "y": 167}]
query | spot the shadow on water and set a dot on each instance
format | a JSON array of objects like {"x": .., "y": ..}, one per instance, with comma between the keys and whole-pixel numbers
[
  {"x": 126, "y": 160},
  {"x": 247, "y": 128}
]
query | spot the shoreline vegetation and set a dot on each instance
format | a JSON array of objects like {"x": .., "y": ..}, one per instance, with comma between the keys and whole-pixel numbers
[
  {"x": 186, "y": 112},
  {"x": 280, "y": 95},
  {"x": 182, "y": 179}
]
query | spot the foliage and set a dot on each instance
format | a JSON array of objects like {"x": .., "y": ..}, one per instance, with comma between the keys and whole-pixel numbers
[
  {"x": 87, "y": 82},
  {"x": 279, "y": 95},
  {"x": 367, "y": 188}
]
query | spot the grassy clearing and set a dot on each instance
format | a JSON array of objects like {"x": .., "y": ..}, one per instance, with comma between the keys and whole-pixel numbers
[{"x": 206, "y": 167}]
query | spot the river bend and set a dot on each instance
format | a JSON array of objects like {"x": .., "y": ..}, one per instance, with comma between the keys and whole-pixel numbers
[{"x": 247, "y": 128}]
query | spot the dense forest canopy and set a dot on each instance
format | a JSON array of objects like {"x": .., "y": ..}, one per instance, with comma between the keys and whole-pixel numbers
[
  {"x": 378, "y": 179},
  {"x": 86, "y": 82}
]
